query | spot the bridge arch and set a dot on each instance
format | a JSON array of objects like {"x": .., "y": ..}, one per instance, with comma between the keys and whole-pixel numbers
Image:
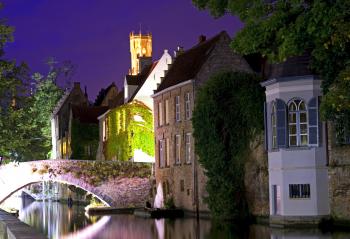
[{"x": 115, "y": 192}]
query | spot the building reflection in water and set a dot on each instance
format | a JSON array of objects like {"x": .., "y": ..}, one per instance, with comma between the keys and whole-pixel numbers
[{"x": 57, "y": 220}]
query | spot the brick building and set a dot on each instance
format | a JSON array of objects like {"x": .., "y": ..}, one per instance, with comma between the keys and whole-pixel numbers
[{"x": 178, "y": 172}]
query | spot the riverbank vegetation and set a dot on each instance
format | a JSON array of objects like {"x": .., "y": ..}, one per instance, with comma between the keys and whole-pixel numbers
[{"x": 228, "y": 114}]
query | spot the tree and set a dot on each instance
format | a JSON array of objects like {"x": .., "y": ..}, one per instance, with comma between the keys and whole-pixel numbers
[
  {"x": 227, "y": 115},
  {"x": 14, "y": 121},
  {"x": 46, "y": 95},
  {"x": 279, "y": 29}
]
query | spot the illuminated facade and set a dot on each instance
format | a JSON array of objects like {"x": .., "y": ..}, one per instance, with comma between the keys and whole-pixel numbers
[
  {"x": 126, "y": 133},
  {"x": 140, "y": 50},
  {"x": 296, "y": 144},
  {"x": 178, "y": 173},
  {"x": 60, "y": 121}
]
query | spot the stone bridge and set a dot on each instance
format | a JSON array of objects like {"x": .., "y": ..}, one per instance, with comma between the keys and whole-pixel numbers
[{"x": 116, "y": 183}]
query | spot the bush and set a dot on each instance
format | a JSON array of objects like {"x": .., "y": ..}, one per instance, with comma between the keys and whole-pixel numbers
[{"x": 227, "y": 115}]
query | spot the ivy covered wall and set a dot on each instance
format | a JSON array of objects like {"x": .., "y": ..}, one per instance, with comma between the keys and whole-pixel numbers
[
  {"x": 84, "y": 140},
  {"x": 129, "y": 127}
]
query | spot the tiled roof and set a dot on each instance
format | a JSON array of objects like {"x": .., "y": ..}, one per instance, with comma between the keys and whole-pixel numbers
[
  {"x": 188, "y": 63},
  {"x": 103, "y": 93},
  {"x": 88, "y": 114}
]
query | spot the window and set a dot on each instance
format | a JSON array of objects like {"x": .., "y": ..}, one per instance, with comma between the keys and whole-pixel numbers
[
  {"x": 188, "y": 148},
  {"x": 274, "y": 126},
  {"x": 167, "y": 155},
  {"x": 177, "y": 148},
  {"x": 297, "y": 123},
  {"x": 188, "y": 105},
  {"x": 299, "y": 190},
  {"x": 161, "y": 154},
  {"x": 160, "y": 114},
  {"x": 105, "y": 129},
  {"x": 166, "y": 111},
  {"x": 182, "y": 185},
  {"x": 88, "y": 151},
  {"x": 177, "y": 108}
]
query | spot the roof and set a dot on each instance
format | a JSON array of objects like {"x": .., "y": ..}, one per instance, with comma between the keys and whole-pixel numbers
[
  {"x": 187, "y": 64},
  {"x": 103, "y": 93},
  {"x": 293, "y": 66},
  {"x": 118, "y": 100},
  {"x": 88, "y": 114},
  {"x": 61, "y": 102},
  {"x": 145, "y": 73}
]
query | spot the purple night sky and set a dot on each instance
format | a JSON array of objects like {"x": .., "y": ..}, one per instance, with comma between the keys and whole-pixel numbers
[{"x": 94, "y": 34}]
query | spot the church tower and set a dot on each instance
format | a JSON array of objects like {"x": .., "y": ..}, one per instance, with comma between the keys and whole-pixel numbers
[{"x": 141, "y": 51}]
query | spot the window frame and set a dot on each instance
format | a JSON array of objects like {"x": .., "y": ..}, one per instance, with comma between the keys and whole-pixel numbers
[
  {"x": 160, "y": 113},
  {"x": 161, "y": 153},
  {"x": 274, "y": 126},
  {"x": 296, "y": 114},
  {"x": 188, "y": 148},
  {"x": 177, "y": 109},
  {"x": 177, "y": 148},
  {"x": 188, "y": 113}
]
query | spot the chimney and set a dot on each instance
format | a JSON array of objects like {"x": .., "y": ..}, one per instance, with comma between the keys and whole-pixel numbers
[
  {"x": 178, "y": 51},
  {"x": 202, "y": 38}
]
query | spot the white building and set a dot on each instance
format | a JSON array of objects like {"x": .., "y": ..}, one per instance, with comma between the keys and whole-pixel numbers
[
  {"x": 141, "y": 87},
  {"x": 296, "y": 144}
]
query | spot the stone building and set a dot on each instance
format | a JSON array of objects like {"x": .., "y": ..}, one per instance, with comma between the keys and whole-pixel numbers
[
  {"x": 60, "y": 121},
  {"x": 106, "y": 96},
  {"x": 178, "y": 173},
  {"x": 131, "y": 113},
  {"x": 296, "y": 144},
  {"x": 84, "y": 131}
]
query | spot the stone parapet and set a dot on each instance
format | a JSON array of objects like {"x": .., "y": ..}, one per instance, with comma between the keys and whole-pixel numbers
[{"x": 13, "y": 228}]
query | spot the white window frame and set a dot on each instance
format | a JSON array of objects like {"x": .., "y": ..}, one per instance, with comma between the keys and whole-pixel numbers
[
  {"x": 188, "y": 112},
  {"x": 297, "y": 103},
  {"x": 274, "y": 126},
  {"x": 188, "y": 150},
  {"x": 177, "y": 149},
  {"x": 161, "y": 153},
  {"x": 177, "y": 109},
  {"x": 167, "y": 152},
  {"x": 160, "y": 114},
  {"x": 166, "y": 111}
]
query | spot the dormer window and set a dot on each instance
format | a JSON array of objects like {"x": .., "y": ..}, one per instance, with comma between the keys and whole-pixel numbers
[{"x": 297, "y": 123}]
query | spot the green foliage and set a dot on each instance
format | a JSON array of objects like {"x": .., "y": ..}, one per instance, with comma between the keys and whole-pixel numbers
[
  {"x": 15, "y": 122},
  {"x": 44, "y": 100},
  {"x": 127, "y": 133},
  {"x": 82, "y": 136},
  {"x": 227, "y": 115},
  {"x": 169, "y": 203},
  {"x": 284, "y": 28}
]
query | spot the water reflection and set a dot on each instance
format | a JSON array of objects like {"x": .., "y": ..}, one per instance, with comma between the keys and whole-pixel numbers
[{"x": 57, "y": 220}]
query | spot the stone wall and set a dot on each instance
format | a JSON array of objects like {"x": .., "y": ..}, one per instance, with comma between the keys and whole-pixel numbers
[
  {"x": 339, "y": 177},
  {"x": 257, "y": 179}
]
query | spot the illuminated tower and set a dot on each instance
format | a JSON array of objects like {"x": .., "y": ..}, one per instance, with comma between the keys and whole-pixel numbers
[{"x": 140, "y": 48}]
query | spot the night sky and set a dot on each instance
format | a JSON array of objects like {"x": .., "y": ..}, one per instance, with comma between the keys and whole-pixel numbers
[{"x": 94, "y": 34}]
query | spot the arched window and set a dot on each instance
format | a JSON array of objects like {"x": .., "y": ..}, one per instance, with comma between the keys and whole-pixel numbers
[
  {"x": 274, "y": 126},
  {"x": 297, "y": 123}
]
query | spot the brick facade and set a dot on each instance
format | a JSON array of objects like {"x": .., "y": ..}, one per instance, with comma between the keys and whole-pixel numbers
[{"x": 185, "y": 181}]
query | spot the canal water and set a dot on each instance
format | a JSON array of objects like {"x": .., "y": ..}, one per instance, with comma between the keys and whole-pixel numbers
[{"x": 57, "y": 220}]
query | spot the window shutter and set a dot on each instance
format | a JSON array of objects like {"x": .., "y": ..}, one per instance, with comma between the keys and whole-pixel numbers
[
  {"x": 281, "y": 118},
  {"x": 313, "y": 121},
  {"x": 265, "y": 128}
]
